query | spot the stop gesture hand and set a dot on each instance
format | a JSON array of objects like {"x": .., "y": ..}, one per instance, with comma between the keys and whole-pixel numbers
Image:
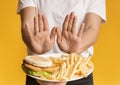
[
  {"x": 68, "y": 40},
  {"x": 40, "y": 40}
]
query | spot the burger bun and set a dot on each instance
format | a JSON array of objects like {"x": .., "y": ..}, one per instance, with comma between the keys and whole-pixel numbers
[{"x": 38, "y": 61}]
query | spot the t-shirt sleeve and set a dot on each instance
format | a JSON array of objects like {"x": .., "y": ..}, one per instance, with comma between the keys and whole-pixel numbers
[
  {"x": 25, "y": 3},
  {"x": 98, "y": 7}
]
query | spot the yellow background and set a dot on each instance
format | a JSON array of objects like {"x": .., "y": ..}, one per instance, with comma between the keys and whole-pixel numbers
[{"x": 12, "y": 49}]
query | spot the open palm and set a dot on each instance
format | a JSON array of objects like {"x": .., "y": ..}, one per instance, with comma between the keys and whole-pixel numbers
[
  {"x": 68, "y": 40},
  {"x": 40, "y": 40}
]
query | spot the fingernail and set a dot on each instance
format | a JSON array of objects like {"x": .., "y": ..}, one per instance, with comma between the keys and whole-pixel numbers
[
  {"x": 36, "y": 17},
  {"x": 75, "y": 17},
  {"x": 40, "y": 14},
  {"x": 72, "y": 13},
  {"x": 68, "y": 15}
]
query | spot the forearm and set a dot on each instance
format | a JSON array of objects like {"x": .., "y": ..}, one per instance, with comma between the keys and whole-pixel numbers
[
  {"x": 88, "y": 39},
  {"x": 91, "y": 31},
  {"x": 27, "y": 18}
]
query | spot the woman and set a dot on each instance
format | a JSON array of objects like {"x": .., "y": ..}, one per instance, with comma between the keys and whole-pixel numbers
[{"x": 42, "y": 20}]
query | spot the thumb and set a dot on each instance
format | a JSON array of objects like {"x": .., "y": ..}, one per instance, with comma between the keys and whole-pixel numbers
[
  {"x": 28, "y": 31},
  {"x": 81, "y": 29},
  {"x": 59, "y": 35},
  {"x": 53, "y": 33}
]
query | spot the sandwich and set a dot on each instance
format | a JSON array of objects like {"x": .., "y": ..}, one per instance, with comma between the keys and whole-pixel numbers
[{"x": 38, "y": 66}]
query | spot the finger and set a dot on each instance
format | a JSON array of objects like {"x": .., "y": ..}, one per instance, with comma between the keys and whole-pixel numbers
[
  {"x": 81, "y": 29},
  {"x": 65, "y": 24},
  {"x": 36, "y": 28},
  {"x": 53, "y": 33},
  {"x": 59, "y": 35},
  {"x": 70, "y": 21},
  {"x": 45, "y": 23},
  {"x": 40, "y": 21},
  {"x": 29, "y": 32},
  {"x": 73, "y": 30}
]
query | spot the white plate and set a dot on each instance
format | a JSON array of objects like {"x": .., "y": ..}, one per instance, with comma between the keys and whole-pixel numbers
[{"x": 58, "y": 55}]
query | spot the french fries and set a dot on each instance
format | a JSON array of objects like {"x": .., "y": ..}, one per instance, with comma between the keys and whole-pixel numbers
[{"x": 71, "y": 66}]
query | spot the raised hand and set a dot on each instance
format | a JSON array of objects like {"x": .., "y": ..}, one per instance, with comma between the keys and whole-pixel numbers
[
  {"x": 40, "y": 40},
  {"x": 68, "y": 39}
]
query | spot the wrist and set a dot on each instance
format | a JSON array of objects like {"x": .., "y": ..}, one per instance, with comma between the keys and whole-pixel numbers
[
  {"x": 33, "y": 51},
  {"x": 79, "y": 49}
]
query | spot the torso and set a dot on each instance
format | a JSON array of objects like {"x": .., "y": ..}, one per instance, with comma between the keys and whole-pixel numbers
[{"x": 56, "y": 11}]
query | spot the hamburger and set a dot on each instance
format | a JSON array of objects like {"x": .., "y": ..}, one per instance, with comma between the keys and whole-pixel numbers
[{"x": 38, "y": 66}]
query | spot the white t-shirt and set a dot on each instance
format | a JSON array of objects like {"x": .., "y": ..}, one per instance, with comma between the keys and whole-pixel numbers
[{"x": 56, "y": 11}]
